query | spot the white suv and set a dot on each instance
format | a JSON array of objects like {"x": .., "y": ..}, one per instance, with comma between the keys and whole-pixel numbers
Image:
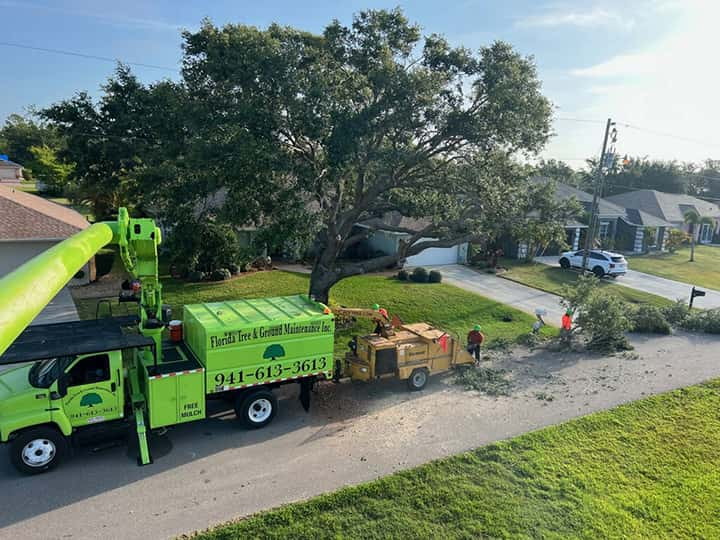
[{"x": 602, "y": 263}]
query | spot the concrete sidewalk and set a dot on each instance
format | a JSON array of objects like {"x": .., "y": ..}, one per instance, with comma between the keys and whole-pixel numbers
[
  {"x": 508, "y": 292},
  {"x": 667, "y": 288}
]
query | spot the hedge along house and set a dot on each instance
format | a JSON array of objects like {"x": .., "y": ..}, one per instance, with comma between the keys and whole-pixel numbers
[
  {"x": 30, "y": 225},
  {"x": 384, "y": 238},
  {"x": 671, "y": 208}
]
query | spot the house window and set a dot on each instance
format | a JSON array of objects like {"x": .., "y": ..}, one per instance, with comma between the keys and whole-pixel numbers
[
  {"x": 604, "y": 229},
  {"x": 706, "y": 233}
]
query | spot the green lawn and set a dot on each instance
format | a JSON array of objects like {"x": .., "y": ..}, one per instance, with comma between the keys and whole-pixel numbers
[
  {"x": 704, "y": 272},
  {"x": 448, "y": 307},
  {"x": 649, "y": 469},
  {"x": 553, "y": 279}
]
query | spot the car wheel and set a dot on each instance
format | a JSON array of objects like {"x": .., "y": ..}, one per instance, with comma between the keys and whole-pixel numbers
[
  {"x": 37, "y": 450},
  {"x": 256, "y": 409},
  {"x": 564, "y": 263},
  {"x": 598, "y": 271},
  {"x": 418, "y": 379}
]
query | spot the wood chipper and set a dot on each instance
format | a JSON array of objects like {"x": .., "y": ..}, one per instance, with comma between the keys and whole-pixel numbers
[{"x": 410, "y": 352}]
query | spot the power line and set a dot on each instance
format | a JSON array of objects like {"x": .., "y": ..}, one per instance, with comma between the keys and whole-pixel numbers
[
  {"x": 581, "y": 120},
  {"x": 669, "y": 135},
  {"x": 88, "y": 56}
]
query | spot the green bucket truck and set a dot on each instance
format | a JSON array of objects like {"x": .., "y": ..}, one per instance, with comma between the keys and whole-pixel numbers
[{"x": 86, "y": 378}]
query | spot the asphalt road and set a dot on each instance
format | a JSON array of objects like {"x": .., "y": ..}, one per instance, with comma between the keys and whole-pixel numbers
[
  {"x": 212, "y": 471},
  {"x": 667, "y": 288}
]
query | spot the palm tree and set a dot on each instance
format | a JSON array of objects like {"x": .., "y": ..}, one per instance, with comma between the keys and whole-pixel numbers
[{"x": 693, "y": 219}]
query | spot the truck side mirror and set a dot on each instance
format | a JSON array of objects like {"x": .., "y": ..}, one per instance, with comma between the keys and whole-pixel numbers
[{"x": 62, "y": 385}]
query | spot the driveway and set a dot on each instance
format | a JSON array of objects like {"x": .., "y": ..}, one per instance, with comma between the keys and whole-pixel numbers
[
  {"x": 211, "y": 471},
  {"x": 60, "y": 309},
  {"x": 508, "y": 292},
  {"x": 667, "y": 288}
]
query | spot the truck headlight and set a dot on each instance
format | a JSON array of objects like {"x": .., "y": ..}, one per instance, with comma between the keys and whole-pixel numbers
[{"x": 363, "y": 370}]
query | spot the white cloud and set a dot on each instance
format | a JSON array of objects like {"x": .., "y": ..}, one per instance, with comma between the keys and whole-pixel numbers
[
  {"x": 592, "y": 17},
  {"x": 669, "y": 86}
]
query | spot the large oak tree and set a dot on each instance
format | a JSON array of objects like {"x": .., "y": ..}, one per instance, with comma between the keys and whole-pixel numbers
[{"x": 362, "y": 120}]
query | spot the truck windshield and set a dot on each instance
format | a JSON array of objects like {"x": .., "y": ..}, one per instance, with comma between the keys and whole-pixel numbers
[{"x": 45, "y": 372}]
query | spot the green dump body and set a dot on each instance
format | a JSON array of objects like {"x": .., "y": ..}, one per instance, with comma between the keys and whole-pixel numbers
[{"x": 244, "y": 343}]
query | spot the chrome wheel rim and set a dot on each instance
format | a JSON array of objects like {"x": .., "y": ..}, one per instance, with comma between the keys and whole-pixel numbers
[
  {"x": 38, "y": 452},
  {"x": 260, "y": 410}
]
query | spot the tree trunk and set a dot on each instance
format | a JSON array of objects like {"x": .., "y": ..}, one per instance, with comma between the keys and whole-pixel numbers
[
  {"x": 692, "y": 243},
  {"x": 321, "y": 281}
]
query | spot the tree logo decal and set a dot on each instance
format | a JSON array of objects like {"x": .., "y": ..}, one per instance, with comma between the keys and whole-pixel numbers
[
  {"x": 274, "y": 351},
  {"x": 90, "y": 400}
]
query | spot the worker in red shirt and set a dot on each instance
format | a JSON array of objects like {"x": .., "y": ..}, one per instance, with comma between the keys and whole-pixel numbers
[{"x": 475, "y": 338}]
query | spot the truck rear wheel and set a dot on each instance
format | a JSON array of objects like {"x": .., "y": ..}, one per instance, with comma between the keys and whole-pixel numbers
[
  {"x": 418, "y": 379},
  {"x": 256, "y": 409},
  {"x": 38, "y": 450}
]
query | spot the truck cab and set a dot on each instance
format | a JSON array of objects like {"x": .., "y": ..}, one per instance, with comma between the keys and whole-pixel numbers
[{"x": 61, "y": 386}]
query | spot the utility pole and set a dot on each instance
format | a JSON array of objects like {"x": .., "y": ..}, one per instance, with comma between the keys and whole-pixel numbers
[{"x": 597, "y": 189}]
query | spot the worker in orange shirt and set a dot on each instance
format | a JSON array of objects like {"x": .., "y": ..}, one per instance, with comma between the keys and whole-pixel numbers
[
  {"x": 566, "y": 324},
  {"x": 475, "y": 339}
]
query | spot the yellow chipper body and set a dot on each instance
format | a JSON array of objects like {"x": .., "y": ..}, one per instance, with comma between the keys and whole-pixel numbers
[{"x": 409, "y": 352}]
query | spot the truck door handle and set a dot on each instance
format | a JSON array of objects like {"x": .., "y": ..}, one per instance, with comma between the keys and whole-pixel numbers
[{"x": 113, "y": 386}]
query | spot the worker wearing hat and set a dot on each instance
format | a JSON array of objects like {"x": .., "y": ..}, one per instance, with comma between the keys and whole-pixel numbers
[
  {"x": 475, "y": 339},
  {"x": 382, "y": 319}
]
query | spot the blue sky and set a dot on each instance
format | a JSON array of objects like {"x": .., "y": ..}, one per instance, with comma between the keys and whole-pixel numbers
[{"x": 646, "y": 63}]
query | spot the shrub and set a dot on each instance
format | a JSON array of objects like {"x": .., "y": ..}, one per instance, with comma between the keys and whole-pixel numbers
[
  {"x": 603, "y": 321},
  {"x": 434, "y": 276},
  {"x": 403, "y": 275},
  {"x": 703, "y": 321},
  {"x": 675, "y": 239},
  {"x": 419, "y": 275},
  {"x": 220, "y": 274},
  {"x": 649, "y": 319},
  {"x": 196, "y": 275},
  {"x": 234, "y": 268},
  {"x": 203, "y": 244},
  {"x": 676, "y": 313}
]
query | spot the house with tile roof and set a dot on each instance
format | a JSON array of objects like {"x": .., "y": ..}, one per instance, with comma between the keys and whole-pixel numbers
[
  {"x": 30, "y": 225},
  {"x": 672, "y": 207}
]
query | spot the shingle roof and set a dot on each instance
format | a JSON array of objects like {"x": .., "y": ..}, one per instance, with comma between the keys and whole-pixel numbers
[
  {"x": 10, "y": 164},
  {"x": 24, "y": 216},
  {"x": 668, "y": 206},
  {"x": 638, "y": 217},
  {"x": 564, "y": 192}
]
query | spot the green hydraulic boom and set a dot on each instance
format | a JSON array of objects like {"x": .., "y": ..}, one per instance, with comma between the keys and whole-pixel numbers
[{"x": 28, "y": 289}]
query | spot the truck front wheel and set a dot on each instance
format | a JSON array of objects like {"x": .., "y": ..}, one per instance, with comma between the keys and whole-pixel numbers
[
  {"x": 256, "y": 409},
  {"x": 38, "y": 450}
]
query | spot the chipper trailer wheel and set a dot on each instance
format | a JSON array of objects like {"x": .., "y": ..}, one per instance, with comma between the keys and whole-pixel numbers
[
  {"x": 256, "y": 409},
  {"x": 418, "y": 379},
  {"x": 38, "y": 450}
]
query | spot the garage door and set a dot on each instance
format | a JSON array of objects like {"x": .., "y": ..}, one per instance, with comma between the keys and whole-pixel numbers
[{"x": 434, "y": 257}]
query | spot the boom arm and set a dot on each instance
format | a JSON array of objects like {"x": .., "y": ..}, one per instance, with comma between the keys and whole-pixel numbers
[{"x": 26, "y": 291}]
